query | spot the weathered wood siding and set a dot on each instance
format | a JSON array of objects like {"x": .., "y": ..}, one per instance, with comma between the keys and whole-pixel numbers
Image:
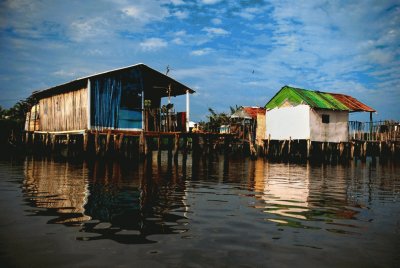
[
  {"x": 32, "y": 119},
  {"x": 64, "y": 112},
  {"x": 260, "y": 131}
]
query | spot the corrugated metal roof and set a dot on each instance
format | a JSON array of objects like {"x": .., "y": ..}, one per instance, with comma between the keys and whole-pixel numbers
[
  {"x": 354, "y": 104},
  {"x": 253, "y": 111},
  {"x": 177, "y": 87},
  {"x": 317, "y": 99}
]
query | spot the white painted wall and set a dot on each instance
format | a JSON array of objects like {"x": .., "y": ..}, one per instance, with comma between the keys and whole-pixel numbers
[
  {"x": 288, "y": 122},
  {"x": 302, "y": 122},
  {"x": 335, "y": 131}
]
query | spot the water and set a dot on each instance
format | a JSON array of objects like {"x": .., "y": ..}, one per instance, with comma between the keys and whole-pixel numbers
[{"x": 209, "y": 213}]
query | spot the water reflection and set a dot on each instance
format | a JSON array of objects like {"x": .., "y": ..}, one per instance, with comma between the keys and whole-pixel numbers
[
  {"x": 129, "y": 203},
  {"x": 303, "y": 196},
  {"x": 108, "y": 200},
  {"x": 57, "y": 189}
]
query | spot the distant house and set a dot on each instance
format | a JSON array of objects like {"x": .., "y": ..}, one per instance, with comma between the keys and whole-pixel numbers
[
  {"x": 295, "y": 113},
  {"x": 123, "y": 99},
  {"x": 249, "y": 120}
]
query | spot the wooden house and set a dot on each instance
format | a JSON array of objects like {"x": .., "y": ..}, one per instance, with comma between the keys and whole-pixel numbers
[
  {"x": 123, "y": 99},
  {"x": 295, "y": 113}
]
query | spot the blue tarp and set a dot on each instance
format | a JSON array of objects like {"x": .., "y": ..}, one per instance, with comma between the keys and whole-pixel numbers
[
  {"x": 116, "y": 100},
  {"x": 106, "y": 99}
]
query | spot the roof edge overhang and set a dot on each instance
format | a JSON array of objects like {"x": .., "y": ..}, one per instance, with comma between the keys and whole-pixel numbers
[{"x": 80, "y": 83}]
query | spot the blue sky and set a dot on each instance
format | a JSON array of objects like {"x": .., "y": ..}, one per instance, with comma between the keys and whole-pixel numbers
[{"x": 231, "y": 52}]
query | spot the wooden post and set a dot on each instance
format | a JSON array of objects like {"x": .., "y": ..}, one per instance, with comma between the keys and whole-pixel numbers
[
  {"x": 393, "y": 149},
  {"x": 115, "y": 143},
  {"x": 352, "y": 150},
  {"x": 120, "y": 142},
  {"x": 67, "y": 143},
  {"x": 108, "y": 138},
  {"x": 170, "y": 145},
  {"x": 308, "y": 148},
  {"x": 142, "y": 144},
  {"x": 159, "y": 149},
  {"x": 364, "y": 155},
  {"x": 226, "y": 144},
  {"x": 341, "y": 150},
  {"x": 96, "y": 143},
  {"x": 85, "y": 142},
  {"x": 176, "y": 147},
  {"x": 185, "y": 146},
  {"x": 195, "y": 145}
]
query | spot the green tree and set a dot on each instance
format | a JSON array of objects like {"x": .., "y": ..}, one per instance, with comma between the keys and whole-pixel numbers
[
  {"x": 215, "y": 120},
  {"x": 3, "y": 113}
]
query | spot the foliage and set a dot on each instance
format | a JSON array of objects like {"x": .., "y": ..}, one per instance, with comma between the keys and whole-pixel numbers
[
  {"x": 215, "y": 120},
  {"x": 18, "y": 112}
]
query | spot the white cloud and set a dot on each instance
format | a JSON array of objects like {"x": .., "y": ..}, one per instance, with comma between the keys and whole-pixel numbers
[
  {"x": 180, "y": 33},
  {"x": 250, "y": 13},
  {"x": 146, "y": 12},
  {"x": 201, "y": 52},
  {"x": 89, "y": 29},
  {"x": 181, "y": 14},
  {"x": 216, "y": 21},
  {"x": 153, "y": 44},
  {"x": 177, "y": 2},
  {"x": 177, "y": 41},
  {"x": 210, "y": 2},
  {"x": 215, "y": 31}
]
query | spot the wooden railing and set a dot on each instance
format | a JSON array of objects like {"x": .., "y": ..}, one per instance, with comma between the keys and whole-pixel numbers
[
  {"x": 162, "y": 120},
  {"x": 374, "y": 131}
]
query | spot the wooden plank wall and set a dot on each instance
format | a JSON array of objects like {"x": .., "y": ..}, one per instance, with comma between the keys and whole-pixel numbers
[
  {"x": 64, "y": 112},
  {"x": 261, "y": 129}
]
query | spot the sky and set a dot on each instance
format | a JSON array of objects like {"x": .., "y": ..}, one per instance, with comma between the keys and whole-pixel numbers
[{"x": 230, "y": 52}]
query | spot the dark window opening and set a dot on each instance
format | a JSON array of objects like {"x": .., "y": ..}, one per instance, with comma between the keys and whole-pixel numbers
[
  {"x": 131, "y": 99},
  {"x": 131, "y": 94},
  {"x": 325, "y": 118}
]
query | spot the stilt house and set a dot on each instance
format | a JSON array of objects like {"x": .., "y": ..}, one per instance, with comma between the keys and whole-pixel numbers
[
  {"x": 123, "y": 99},
  {"x": 295, "y": 113}
]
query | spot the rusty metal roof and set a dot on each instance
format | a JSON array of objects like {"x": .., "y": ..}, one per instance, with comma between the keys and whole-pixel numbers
[
  {"x": 253, "y": 111},
  {"x": 353, "y": 104},
  {"x": 317, "y": 99}
]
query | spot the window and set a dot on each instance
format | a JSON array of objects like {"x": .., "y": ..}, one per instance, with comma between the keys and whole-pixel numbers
[{"x": 325, "y": 118}]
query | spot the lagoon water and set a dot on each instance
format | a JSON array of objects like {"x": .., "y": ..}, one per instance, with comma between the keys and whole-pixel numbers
[{"x": 202, "y": 213}]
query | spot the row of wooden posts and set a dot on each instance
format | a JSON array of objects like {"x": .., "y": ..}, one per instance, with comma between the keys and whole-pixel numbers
[
  {"x": 331, "y": 151},
  {"x": 142, "y": 144},
  {"x": 127, "y": 144}
]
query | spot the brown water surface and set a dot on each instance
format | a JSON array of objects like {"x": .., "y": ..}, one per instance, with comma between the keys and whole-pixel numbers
[{"x": 202, "y": 213}]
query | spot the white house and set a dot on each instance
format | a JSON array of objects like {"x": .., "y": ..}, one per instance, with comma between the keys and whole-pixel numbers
[{"x": 295, "y": 113}]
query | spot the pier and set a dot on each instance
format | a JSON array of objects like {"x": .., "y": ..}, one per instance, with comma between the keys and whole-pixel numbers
[
  {"x": 141, "y": 144},
  {"x": 129, "y": 144}
]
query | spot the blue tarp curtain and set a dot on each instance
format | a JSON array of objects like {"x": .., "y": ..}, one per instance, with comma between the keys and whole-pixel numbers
[{"x": 105, "y": 99}]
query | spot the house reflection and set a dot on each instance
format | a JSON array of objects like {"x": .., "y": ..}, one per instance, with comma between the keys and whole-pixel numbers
[
  {"x": 284, "y": 188},
  {"x": 60, "y": 188},
  {"x": 294, "y": 194},
  {"x": 120, "y": 201}
]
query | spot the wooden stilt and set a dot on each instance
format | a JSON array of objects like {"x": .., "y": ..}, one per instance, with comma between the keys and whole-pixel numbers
[
  {"x": 68, "y": 145},
  {"x": 85, "y": 142},
  {"x": 120, "y": 143},
  {"x": 308, "y": 148},
  {"x": 176, "y": 147},
  {"x": 170, "y": 147},
  {"x": 97, "y": 143},
  {"x": 108, "y": 139}
]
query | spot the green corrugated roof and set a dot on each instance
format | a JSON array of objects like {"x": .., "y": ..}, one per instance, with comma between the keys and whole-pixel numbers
[{"x": 314, "y": 99}]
